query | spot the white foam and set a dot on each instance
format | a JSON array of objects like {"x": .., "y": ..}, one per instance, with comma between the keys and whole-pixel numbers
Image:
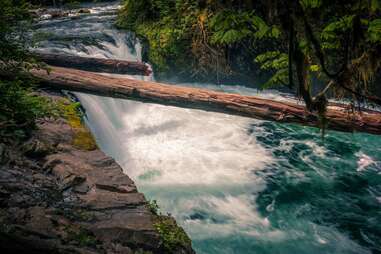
[
  {"x": 230, "y": 215},
  {"x": 364, "y": 161},
  {"x": 186, "y": 146}
]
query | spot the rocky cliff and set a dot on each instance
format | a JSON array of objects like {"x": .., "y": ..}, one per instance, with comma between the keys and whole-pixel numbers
[{"x": 58, "y": 197}]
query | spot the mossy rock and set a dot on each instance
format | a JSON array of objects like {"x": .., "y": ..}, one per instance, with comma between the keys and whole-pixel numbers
[
  {"x": 83, "y": 139},
  {"x": 173, "y": 236},
  {"x": 80, "y": 236}
]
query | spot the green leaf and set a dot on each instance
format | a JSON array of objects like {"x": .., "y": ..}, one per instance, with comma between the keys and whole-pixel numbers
[
  {"x": 375, "y": 5},
  {"x": 231, "y": 36},
  {"x": 314, "y": 68},
  {"x": 374, "y": 30},
  {"x": 272, "y": 60},
  {"x": 310, "y": 4},
  {"x": 230, "y": 27},
  {"x": 278, "y": 79}
]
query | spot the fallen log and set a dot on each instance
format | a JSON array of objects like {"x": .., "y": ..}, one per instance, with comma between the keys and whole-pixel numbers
[
  {"x": 338, "y": 118},
  {"x": 95, "y": 64}
]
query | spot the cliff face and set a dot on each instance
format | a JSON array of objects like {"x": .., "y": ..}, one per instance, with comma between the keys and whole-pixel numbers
[{"x": 58, "y": 198}]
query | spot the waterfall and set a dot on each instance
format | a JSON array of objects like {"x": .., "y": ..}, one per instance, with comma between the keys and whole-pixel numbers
[{"x": 236, "y": 185}]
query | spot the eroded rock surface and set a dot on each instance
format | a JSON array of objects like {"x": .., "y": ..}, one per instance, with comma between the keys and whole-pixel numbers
[{"x": 56, "y": 198}]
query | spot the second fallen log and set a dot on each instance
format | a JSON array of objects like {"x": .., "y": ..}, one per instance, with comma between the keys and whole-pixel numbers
[{"x": 95, "y": 64}]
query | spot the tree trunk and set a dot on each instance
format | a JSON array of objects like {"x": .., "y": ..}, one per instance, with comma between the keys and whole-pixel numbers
[
  {"x": 95, "y": 64},
  {"x": 338, "y": 117}
]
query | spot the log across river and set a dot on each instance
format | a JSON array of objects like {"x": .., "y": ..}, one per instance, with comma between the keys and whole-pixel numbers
[
  {"x": 338, "y": 117},
  {"x": 95, "y": 64}
]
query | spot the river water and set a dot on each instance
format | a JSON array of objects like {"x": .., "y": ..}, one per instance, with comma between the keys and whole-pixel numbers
[{"x": 236, "y": 185}]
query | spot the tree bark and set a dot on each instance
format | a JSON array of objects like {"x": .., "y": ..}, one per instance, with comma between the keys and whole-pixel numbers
[
  {"x": 338, "y": 117},
  {"x": 95, "y": 64}
]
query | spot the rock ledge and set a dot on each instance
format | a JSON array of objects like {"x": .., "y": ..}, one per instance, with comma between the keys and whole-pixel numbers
[{"x": 56, "y": 198}]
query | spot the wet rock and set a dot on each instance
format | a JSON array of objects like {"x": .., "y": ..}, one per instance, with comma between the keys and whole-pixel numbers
[
  {"x": 115, "y": 187},
  {"x": 119, "y": 249},
  {"x": 37, "y": 149},
  {"x": 105, "y": 200},
  {"x": 2, "y": 152},
  {"x": 40, "y": 223},
  {"x": 81, "y": 189},
  {"x": 72, "y": 181},
  {"x": 82, "y": 11}
]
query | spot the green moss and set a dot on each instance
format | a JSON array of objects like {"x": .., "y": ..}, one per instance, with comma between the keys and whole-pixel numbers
[
  {"x": 166, "y": 28},
  {"x": 80, "y": 236},
  {"x": 153, "y": 206},
  {"x": 83, "y": 139},
  {"x": 82, "y": 215},
  {"x": 20, "y": 108},
  {"x": 166, "y": 43},
  {"x": 84, "y": 238},
  {"x": 173, "y": 236}
]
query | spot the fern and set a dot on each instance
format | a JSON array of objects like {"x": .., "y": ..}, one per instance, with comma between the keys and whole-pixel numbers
[
  {"x": 276, "y": 61},
  {"x": 332, "y": 34},
  {"x": 332, "y": 30},
  {"x": 272, "y": 60},
  {"x": 279, "y": 78},
  {"x": 374, "y": 31},
  {"x": 310, "y": 4},
  {"x": 230, "y": 27}
]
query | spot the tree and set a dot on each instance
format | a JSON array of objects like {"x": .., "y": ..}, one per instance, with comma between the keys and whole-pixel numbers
[
  {"x": 14, "y": 20},
  {"x": 337, "y": 43},
  {"x": 19, "y": 106}
]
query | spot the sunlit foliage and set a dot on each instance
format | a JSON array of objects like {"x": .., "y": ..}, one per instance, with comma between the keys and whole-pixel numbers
[
  {"x": 20, "y": 107},
  {"x": 318, "y": 48}
]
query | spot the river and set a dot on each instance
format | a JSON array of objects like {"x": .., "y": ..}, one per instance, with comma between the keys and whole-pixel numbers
[{"x": 236, "y": 185}]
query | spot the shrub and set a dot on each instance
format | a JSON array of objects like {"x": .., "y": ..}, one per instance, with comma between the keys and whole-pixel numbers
[
  {"x": 153, "y": 206},
  {"x": 20, "y": 108},
  {"x": 173, "y": 236}
]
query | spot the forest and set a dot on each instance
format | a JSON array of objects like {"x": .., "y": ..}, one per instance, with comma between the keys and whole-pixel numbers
[{"x": 313, "y": 47}]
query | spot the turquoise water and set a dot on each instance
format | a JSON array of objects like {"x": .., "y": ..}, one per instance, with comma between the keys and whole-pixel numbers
[
  {"x": 236, "y": 185},
  {"x": 239, "y": 185}
]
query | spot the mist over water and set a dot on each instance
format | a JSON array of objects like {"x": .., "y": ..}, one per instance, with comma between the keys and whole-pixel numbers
[{"x": 236, "y": 185}]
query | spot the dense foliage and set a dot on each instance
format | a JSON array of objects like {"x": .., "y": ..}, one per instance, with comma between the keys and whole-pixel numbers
[
  {"x": 20, "y": 107},
  {"x": 14, "y": 19},
  {"x": 315, "y": 47},
  {"x": 336, "y": 43},
  {"x": 19, "y": 110},
  {"x": 199, "y": 37}
]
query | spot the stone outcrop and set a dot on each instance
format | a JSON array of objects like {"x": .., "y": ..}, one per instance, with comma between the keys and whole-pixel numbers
[{"x": 56, "y": 198}]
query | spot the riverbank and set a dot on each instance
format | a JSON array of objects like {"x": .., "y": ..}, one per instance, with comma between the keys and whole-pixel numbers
[{"x": 60, "y": 194}]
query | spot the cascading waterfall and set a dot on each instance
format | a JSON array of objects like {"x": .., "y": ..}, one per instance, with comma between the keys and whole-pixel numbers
[{"x": 235, "y": 184}]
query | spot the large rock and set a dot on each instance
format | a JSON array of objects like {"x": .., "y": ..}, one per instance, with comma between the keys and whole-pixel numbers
[{"x": 56, "y": 198}]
